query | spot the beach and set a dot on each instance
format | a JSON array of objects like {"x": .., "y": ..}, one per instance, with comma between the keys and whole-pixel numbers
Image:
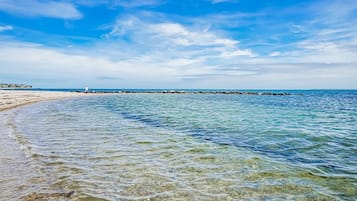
[
  {"x": 14, "y": 98},
  {"x": 14, "y": 164},
  {"x": 210, "y": 100},
  {"x": 156, "y": 146}
]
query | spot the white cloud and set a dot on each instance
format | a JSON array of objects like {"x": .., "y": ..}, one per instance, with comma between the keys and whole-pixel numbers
[
  {"x": 334, "y": 10},
  {"x": 6, "y": 28},
  {"x": 221, "y": 1},
  {"x": 121, "y": 3},
  {"x": 160, "y": 69},
  {"x": 76, "y": 69},
  {"x": 180, "y": 35},
  {"x": 39, "y": 8},
  {"x": 178, "y": 41},
  {"x": 137, "y": 3},
  {"x": 275, "y": 54},
  {"x": 329, "y": 36},
  {"x": 181, "y": 62},
  {"x": 153, "y": 51},
  {"x": 237, "y": 53}
]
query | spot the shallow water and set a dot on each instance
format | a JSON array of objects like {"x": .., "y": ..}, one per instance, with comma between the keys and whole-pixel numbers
[{"x": 190, "y": 147}]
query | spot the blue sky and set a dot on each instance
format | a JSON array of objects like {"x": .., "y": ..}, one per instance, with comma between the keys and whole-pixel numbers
[{"x": 250, "y": 44}]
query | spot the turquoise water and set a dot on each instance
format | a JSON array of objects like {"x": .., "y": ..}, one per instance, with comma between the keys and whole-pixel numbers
[{"x": 194, "y": 147}]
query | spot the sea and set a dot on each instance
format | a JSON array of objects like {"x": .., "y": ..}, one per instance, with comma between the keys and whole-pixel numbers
[{"x": 154, "y": 146}]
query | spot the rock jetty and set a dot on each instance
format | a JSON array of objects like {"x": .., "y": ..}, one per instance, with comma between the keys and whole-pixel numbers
[{"x": 198, "y": 92}]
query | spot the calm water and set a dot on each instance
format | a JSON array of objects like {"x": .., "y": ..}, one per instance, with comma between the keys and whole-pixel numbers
[{"x": 191, "y": 147}]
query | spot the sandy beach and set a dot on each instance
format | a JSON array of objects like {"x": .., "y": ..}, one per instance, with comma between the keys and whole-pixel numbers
[{"x": 11, "y": 99}]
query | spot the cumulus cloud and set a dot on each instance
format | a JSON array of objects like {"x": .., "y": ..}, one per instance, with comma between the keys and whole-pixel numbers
[
  {"x": 163, "y": 69},
  {"x": 156, "y": 51},
  {"x": 39, "y": 8},
  {"x": 180, "y": 35},
  {"x": 182, "y": 41},
  {"x": 82, "y": 68}
]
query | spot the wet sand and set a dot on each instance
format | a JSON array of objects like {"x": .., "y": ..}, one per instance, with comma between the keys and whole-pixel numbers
[{"x": 14, "y": 165}]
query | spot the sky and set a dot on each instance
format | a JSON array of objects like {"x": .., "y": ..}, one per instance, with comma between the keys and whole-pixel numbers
[{"x": 233, "y": 44}]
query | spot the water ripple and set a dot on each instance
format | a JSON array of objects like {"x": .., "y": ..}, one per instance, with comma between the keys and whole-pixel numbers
[{"x": 190, "y": 147}]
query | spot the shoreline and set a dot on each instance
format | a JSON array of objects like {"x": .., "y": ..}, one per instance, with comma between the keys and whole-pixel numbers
[
  {"x": 36, "y": 165},
  {"x": 10, "y": 99},
  {"x": 14, "y": 168}
]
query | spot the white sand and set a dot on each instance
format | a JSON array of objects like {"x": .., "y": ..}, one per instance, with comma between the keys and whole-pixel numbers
[{"x": 10, "y": 99}]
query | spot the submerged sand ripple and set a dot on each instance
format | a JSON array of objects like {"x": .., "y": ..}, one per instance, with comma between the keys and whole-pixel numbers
[{"x": 15, "y": 171}]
